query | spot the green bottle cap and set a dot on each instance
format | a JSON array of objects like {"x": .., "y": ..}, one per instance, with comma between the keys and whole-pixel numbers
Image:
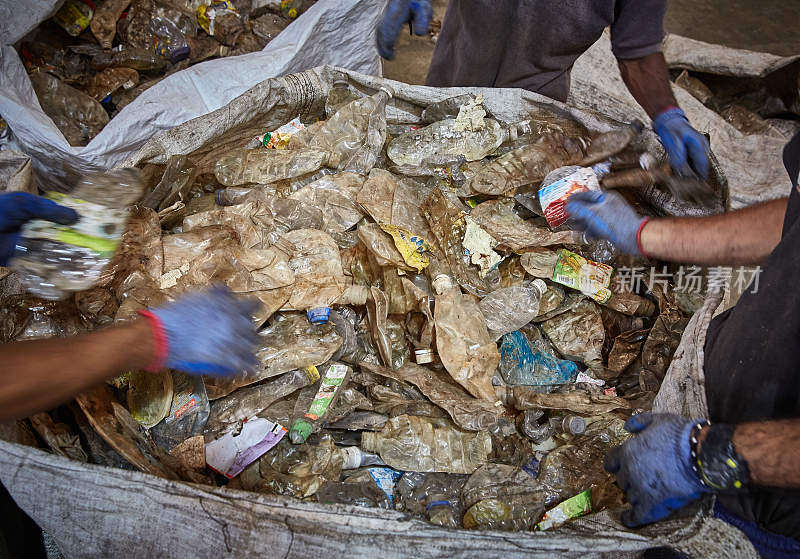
[{"x": 300, "y": 431}]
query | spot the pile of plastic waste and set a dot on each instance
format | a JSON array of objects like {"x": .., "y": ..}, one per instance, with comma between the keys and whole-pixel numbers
[
  {"x": 433, "y": 336},
  {"x": 90, "y": 60}
]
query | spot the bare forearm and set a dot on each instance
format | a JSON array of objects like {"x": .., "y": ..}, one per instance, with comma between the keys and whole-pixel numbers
[
  {"x": 39, "y": 374},
  {"x": 647, "y": 79},
  {"x": 745, "y": 236},
  {"x": 772, "y": 451}
]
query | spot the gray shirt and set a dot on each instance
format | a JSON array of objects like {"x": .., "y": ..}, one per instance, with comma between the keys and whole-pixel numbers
[{"x": 533, "y": 44}]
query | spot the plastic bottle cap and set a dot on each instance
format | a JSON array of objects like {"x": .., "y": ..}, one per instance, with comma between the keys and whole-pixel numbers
[
  {"x": 423, "y": 356},
  {"x": 318, "y": 315},
  {"x": 574, "y": 424},
  {"x": 351, "y": 457},
  {"x": 301, "y": 429},
  {"x": 441, "y": 283},
  {"x": 540, "y": 285}
]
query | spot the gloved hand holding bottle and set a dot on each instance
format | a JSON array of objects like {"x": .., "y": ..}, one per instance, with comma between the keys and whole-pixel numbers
[
  {"x": 397, "y": 13},
  {"x": 18, "y": 208},
  {"x": 606, "y": 215},
  {"x": 687, "y": 148}
]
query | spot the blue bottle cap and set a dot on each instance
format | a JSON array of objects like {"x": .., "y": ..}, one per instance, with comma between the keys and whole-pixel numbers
[{"x": 319, "y": 315}]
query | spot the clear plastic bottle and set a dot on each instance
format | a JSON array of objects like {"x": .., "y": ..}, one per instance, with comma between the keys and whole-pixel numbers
[
  {"x": 355, "y": 134},
  {"x": 436, "y": 495},
  {"x": 440, "y": 139},
  {"x": 361, "y": 494},
  {"x": 524, "y": 363},
  {"x": 54, "y": 259},
  {"x": 168, "y": 40},
  {"x": 423, "y": 444},
  {"x": 446, "y": 108},
  {"x": 340, "y": 95},
  {"x": 138, "y": 59},
  {"x": 610, "y": 143},
  {"x": 510, "y": 308},
  {"x": 264, "y": 166},
  {"x": 353, "y": 457},
  {"x": 462, "y": 341},
  {"x": 313, "y": 405}
]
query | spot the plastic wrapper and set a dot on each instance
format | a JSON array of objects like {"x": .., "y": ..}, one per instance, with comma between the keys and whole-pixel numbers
[
  {"x": 573, "y": 507},
  {"x": 355, "y": 134},
  {"x": 289, "y": 343},
  {"x": 578, "y": 334},
  {"x": 428, "y": 445},
  {"x": 55, "y": 259},
  {"x": 441, "y": 139},
  {"x": 559, "y": 185},
  {"x": 230, "y": 455},
  {"x": 471, "y": 414},
  {"x": 187, "y": 414},
  {"x": 510, "y": 308},
  {"x": 77, "y": 115},
  {"x": 462, "y": 340},
  {"x": 498, "y": 218},
  {"x": 220, "y": 20},
  {"x": 529, "y": 364}
]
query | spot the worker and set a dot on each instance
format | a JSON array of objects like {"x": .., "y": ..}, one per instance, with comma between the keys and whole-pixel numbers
[
  {"x": 533, "y": 45},
  {"x": 39, "y": 375},
  {"x": 748, "y": 452}
]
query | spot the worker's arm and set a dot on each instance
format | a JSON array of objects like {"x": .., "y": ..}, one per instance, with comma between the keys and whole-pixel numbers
[
  {"x": 647, "y": 79},
  {"x": 202, "y": 333},
  {"x": 745, "y": 236},
  {"x": 671, "y": 460}
]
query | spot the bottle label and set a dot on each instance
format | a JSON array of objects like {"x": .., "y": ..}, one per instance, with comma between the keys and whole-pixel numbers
[
  {"x": 74, "y": 16},
  {"x": 573, "y": 507},
  {"x": 279, "y": 139},
  {"x": 99, "y": 228},
  {"x": 385, "y": 479},
  {"x": 331, "y": 382},
  {"x": 553, "y": 197},
  {"x": 320, "y": 315},
  {"x": 590, "y": 278}
]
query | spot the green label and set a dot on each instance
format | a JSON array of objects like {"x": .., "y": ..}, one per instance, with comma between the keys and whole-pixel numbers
[{"x": 327, "y": 390}]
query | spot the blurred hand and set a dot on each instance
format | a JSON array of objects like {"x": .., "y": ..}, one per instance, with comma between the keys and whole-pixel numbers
[
  {"x": 654, "y": 467},
  {"x": 687, "y": 148},
  {"x": 205, "y": 333},
  {"x": 606, "y": 215},
  {"x": 18, "y": 208},
  {"x": 397, "y": 14}
]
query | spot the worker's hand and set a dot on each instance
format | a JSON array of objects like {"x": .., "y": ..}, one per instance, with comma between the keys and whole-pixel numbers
[
  {"x": 395, "y": 16},
  {"x": 207, "y": 333},
  {"x": 17, "y": 208},
  {"x": 687, "y": 148},
  {"x": 606, "y": 215},
  {"x": 654, "y": 467}
]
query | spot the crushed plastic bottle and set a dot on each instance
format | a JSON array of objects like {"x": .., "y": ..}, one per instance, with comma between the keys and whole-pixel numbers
[
  {"x": 435, "y": 495},
  {"x": 361, "y": 494},
  {"x": 104, "y": 22},
  {"x": 169, "y": 42},
  {"x": 54, "y": 260},
  {"x": 340, "y": 95},
  {"x": 441, "y": 139},
  {"x": 136, "y": 58},
  {"x": 260, "y": 166},
  {"x": 611, "y": 143},
  {"x": 510, "y": 308},
  {"x": 188, "y": 412},
  {"x": 524, "y": 363},
  {"x": 424, "y": 444},
  {"x": 312, "y": 406},
  {"x": 355, "y": 134}
]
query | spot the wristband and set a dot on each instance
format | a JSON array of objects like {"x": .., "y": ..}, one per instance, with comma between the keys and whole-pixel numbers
[
  {"x": 639, "y": 237},
  {"x": 161, "y": 349}
]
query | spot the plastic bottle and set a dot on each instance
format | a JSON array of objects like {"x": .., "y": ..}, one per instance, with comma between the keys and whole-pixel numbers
[
  {"x": 361, "y": 494},
  {"x": 188, "y": 412},
  {"x": 510, "y": 308},
  {"x": 75, "y": 16},
  {"x": 440, "y": 139},
  {"x": 436, "y": 495},
  {"x": 610, "y": 143},
  {"x": 247, "y": 402},
  {"x": 353, "y": 457},
  {"x": 462, "y": 341},
  {"x": 355, "y": 134},
  {"x": 56, "y": 259},
  {"x": 138, "y": 59},
  {"x": 446, "y": 108},
  {"x": 529, "y": 424},
  {"x": 344, "y": 320},
  {"x": 422, "y": 444},
  {"x": 168, "y": 40},
  {"x": 524, "y": 363},
  {"x": 312, "y": 406},
  {"x": 340, "y": 95},
  {"x": 264, "y": 166}
]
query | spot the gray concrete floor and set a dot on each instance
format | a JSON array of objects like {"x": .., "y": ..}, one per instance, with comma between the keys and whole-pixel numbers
[{"x": 764, "y": 25}]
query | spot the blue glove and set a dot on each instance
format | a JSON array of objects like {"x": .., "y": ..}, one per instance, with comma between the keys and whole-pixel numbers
[
  {"x": 397, "y": 14},
  {"x": 687, "y": 148},
  {"x": 17, "y": 208},
  {"x": 205, "y": 333},
  {"x": 606, "y": 215},
  {"x": 654, "y": 467}
]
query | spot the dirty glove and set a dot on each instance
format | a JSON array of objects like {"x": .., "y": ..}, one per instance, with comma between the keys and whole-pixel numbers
[
  {"x": 606, "y": 215},
  {"x": 654, "y": 467},
  {"x": 397, "y": 14},
  {"x": 17, "y": 208},
  {"x": 206, "y": 333},
  {"x": 687, "y": 148}
]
